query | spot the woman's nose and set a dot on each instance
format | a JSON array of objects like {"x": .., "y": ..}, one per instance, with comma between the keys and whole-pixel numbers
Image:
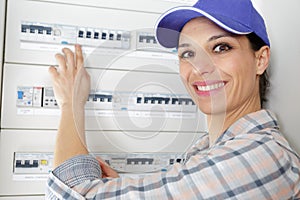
[{"x": 202, "y": 63}]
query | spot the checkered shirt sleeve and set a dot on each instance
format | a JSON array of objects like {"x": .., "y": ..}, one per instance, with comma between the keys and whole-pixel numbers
[{"x": 251, "y": 160}]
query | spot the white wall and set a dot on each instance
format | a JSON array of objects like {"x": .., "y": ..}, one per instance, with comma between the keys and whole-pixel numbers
[{"x": 282, "y": 18}]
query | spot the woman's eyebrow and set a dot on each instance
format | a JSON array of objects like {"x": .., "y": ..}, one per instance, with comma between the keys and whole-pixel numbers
[
  {"x": 212, "y": 38},
  {"x": 183, "y": 45},
  {"x": 215, "y": 37}
]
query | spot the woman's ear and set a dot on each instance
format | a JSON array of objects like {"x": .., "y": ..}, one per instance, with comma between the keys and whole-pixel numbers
[{"x": 263, "y": 59}]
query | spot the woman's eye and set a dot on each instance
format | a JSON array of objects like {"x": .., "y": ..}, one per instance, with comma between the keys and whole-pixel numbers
[
  {"x": 221, "y": 48},
  {"x": 187, "y": 54}
]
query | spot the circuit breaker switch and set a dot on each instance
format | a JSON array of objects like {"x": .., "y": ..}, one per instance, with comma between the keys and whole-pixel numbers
[
  {"x": 48, "y": 30},
  {"x": 88, "y": 34},
  {"x": 18, "y": 163},
  {"x": 35, "y": 163},
  {"x": 111, "y": 36},
  {"x": 80, "y": 33},
  {"x": 119, "y": 36},
  {"x": 104, "y": 34},
  {"x": 44, "y": 162},
  {"x": 24, "y": 28},
  {"x": 96, "y": 35}
]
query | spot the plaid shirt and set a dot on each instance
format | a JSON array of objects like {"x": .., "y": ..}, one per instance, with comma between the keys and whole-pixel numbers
[{"x": 251, "y": 160}]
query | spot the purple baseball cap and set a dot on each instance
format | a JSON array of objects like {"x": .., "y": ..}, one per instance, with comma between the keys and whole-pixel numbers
[{"x": 236, "y": 16}]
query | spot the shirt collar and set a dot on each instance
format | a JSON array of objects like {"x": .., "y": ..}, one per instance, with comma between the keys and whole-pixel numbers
[{"x": 250, "y": 123}]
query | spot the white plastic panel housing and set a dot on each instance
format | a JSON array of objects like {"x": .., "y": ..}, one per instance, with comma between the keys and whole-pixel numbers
[{"x": 153, "y": 6}]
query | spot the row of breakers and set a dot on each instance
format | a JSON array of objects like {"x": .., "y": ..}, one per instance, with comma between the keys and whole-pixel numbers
[
  {"x": 105, "y": 34},
  {"x": 44, "y": 97},
  {"x": 66, "y": 34},
  {"x": 145, "y": 99},
  {"x": 41, "y": 163},
  {"x": 84, "y": 33}
]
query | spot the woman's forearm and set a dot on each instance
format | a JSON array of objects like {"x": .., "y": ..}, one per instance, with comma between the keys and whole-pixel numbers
[{"x": 70, "y": 140}]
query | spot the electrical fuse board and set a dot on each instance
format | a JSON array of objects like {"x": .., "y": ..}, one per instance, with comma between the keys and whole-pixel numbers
[
  {"x": 139, "y": 117},
  {"x": 129, "y": 39},
  {"x": 114, "y": 101},
  {"x": 35, "y": 165}
]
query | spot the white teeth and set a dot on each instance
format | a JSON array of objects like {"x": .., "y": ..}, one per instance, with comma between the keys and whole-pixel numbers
[{"x": 210, "y": 87}]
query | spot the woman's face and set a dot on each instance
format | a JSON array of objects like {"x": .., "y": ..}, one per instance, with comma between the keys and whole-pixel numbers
[{"x": 218, "y": 68}]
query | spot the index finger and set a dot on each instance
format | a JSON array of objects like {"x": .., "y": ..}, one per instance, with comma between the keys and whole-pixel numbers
[{"x": 79, "y": 56}]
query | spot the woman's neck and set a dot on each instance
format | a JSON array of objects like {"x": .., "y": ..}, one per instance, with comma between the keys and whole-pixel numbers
[{"x": 218, "y": 123}]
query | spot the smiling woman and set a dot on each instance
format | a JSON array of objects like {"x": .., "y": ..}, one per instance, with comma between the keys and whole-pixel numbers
[
  {"x": 214, "y": 73},
  {"x": 224, "y": 50}
]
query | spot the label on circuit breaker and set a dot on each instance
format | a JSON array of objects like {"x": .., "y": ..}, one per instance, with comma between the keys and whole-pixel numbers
[
  {"x": 140, "y": 114},
  {"x": 141, "y": 162},
  {"x": 32, "y": 166}
]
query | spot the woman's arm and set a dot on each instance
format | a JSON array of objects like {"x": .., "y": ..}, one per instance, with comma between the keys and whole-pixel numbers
[{"x": 71, "y": 85}]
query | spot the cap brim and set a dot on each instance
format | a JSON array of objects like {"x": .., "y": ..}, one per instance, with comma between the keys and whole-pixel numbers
[{"x": 170, "y": 24}]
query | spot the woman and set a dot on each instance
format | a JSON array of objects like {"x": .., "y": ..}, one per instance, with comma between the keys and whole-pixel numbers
[{"x": 224, "y": 52}]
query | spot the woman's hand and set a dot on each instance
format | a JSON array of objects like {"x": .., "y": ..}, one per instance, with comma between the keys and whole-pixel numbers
[
  {"x": 71, "y": 81},
  {"x": 107, "y": 171}
]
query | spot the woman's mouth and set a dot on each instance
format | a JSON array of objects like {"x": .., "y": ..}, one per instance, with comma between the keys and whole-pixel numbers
[{"x": 206, "y": 88}]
